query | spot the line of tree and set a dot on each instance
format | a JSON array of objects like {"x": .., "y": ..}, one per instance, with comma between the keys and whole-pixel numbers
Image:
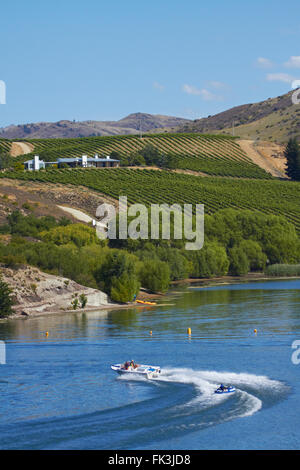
[
  {"x": 236, "y": 242},
  {"x": 147, "y": 156}
]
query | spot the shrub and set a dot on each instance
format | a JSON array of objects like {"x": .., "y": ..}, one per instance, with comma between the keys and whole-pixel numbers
[
  {"x": 151, "y": 154},
  {"x": 75, "y": 302},
  {"x": 210, "y": 261},
  {"x": 155, "y": 275},
  {"x": 239, "y": 262},
  {"x": 31, "y": 225},
  {"x": 283, "y": 270},
  {"x": 134, "y": 159},
  {"x": 6, "y": 301},
  {"x": 255, "y": 255},
  {"x": 79, "y": 234},
  {"x": 117, "y": 275},
  {"x": 27, "y": 206},
  {"x": 83, "y": 300},
  {"x": 178, "y": 263},
  {"x": 124, "y": 288},
  {"x": 13, "y": 261}
]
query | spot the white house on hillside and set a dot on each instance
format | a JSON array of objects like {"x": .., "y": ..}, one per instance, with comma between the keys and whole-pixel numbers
[
  {"x": 79, "y": 162},
  {"x": 35, "y": 164}
]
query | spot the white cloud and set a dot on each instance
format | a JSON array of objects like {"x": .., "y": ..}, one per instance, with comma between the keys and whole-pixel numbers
[
  {"x": 205, "y": 94},
  {"x": 280, "y": 77},
  {"x": 158, "y": 86},
  {"x": 208, "y": 95},
  {"x": 293, "y": 62},
  {"x": 295, "y": 84},
  {"x": 218, "y": 85},
  {"x": 264, "y": 63},
  {"x": 191, "y": 90}
]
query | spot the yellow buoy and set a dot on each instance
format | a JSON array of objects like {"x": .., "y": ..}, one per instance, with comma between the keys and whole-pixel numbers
[
  {"x": 46, "y": 334},
  {"x": 189, "y": 331},
  {"x": 255, "y": 331},
  {"x": 150, "y": 332}
]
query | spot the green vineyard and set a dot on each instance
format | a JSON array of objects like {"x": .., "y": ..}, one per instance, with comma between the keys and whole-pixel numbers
[
  {"x": 161, "y": 186},
  {"x": 5, "y": 145},
  {"x": 211, "y": 154}
]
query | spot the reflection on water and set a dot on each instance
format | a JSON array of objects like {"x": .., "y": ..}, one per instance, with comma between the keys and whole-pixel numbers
[
  {"x": 212, "y": 311},
  {"x": 59, "y": 326}
]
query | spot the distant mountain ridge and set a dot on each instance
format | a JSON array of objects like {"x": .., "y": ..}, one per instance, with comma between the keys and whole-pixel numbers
[
  {"x": 132, "y": 124},
  {"x": 275, "y": 120}
]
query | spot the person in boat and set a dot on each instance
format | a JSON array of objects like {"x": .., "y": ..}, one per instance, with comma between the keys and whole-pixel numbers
[
  {"x": 126, "y": 365},
  {"x": 222, "y": 387},
  {"x": 133, "y": 365}
]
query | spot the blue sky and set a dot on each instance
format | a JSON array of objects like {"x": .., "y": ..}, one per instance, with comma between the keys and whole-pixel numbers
[{"x": 102, "y": 60}]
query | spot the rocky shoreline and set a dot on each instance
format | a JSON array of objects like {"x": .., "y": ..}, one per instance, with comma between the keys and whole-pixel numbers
[{"x": 38, "y": 294}]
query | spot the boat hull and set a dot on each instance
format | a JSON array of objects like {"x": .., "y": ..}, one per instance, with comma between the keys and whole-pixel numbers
[{"x": 142, "y": 370}]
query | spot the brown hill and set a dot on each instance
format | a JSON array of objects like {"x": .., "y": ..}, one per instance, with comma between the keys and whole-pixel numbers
[
  {"x": 131, "y": 124},
  {"x": 275, "y": 119}
]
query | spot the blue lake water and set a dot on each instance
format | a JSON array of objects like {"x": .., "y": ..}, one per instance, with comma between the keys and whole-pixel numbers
[{"x": 58, "y": 392}]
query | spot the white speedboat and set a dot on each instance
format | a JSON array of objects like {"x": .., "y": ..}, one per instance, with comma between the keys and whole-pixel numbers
[{"x": 137, "y": 369}]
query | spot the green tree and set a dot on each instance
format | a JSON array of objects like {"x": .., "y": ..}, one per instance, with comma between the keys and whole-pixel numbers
[
  {"x": 178, "y": 263},
  {"x": 5, "y": 160},
  {"x": 31, "y": 225},
  {"x": 6, "y": 300},
  {"x": 168, "y": 161},
  {"x": 117, "y": 275},
  {"x": 155, "y": 275},
  {"x": 135, "y": 159},
  {"x": 255, "y": 255},
  {"x": 210, "y": 261},
  {"x": 79, "y": 234},
  {"x": 292, "y": 154},
  {"x": 115, "y": 155},
  {"x": 124, "y": 288},
  {"x": 151, "y": 154},
  {"x": 239, "y": 262}
]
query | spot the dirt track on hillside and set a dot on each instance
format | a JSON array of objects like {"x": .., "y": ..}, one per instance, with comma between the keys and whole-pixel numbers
[
  {"x": 20, "y": 148},
  {"x": 263, "y": 155},
  {"x": 45, "y": 199}
]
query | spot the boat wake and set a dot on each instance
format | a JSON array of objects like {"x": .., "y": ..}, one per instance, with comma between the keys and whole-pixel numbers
[
  {"x": 179, "y": 401},
  {"x": 200, "y": 407},
  {"x": 252, "y": 391}
]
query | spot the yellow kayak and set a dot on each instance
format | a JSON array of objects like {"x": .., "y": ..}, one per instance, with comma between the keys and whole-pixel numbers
[{"x": 145, "y": 302}]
